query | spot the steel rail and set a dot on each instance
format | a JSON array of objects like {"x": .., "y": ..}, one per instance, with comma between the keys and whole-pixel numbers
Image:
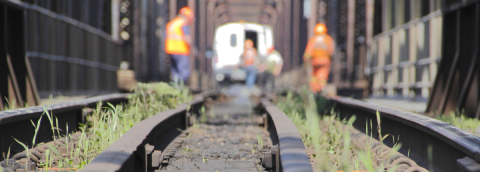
[
  {"x": 17, "y": 123},
  {"x": 292, "y": 154},
  {"x": 451, "y": 148},
  {"x": 11, "y": 116}
]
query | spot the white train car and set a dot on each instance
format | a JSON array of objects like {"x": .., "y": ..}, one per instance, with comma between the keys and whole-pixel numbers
[{"x": 228, "y": 48}]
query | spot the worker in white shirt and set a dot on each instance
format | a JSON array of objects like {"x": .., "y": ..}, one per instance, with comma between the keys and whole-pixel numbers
[{"x": 270, "y": 69}]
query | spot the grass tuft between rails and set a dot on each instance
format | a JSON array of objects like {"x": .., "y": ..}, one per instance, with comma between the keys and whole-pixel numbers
[
  {"x": 326, "y": 137},
  {"x": 460, "y": 120},
  {"x": 107, "y": 124}
]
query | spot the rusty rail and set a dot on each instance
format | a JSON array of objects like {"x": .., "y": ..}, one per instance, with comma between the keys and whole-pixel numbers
[{"x": 450, "y": 148}]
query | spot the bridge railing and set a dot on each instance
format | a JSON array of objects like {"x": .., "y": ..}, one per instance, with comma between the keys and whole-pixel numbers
[
  {"x": 403, "y": 62},
  {"x": 57, "y": 48},
  {"x": 69, "y": 57}
]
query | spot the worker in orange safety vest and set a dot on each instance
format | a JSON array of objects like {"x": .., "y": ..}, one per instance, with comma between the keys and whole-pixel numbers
[
  {"x": 318, "y": 54},
  {"x": 178, "y": 44}
]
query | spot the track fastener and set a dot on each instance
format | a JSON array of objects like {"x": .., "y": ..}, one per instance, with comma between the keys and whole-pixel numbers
[
  {"x": 157, "y": 158},
  {"x": 467, "y": 164},
  {"x": 269, "y": 159}
]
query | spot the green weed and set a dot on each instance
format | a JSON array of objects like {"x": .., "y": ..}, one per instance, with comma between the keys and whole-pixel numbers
[
  {"x": 259, "y": 140},
  {"x": 203, "y": 115},
  {"x": 205, "y": 160},
  {"x": 26, "y": 149},
  {"x": 8, "y": 155},
  {"x": 37, "y": 127},
  {"x": 327, "y": 137},
  {"x": 48, "y": 161},
  {"x": 460, "y": 120},
  {"x": 185, "y": 151},
  {"x": 106, "y": 125}
]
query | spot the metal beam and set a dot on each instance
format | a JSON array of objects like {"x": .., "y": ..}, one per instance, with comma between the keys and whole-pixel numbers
[
  {"x": 473, "y": 63},
  {"x": 446, "y": 90},
  {"x": 350, "y": 41},
  {"x": 173, "y": 9},
  {"x": 312, "y": 19},
  {"x": 287, "y": 25},
  {"x": 296, "y": 33},
  {"x": 202, "y": 36}
]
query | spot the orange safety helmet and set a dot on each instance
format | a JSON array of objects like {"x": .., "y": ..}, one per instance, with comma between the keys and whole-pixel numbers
[
  {"x": 187, "y": 12},
  {"x": 320, "y": 29},
  {"x": 270, "y": 50}
]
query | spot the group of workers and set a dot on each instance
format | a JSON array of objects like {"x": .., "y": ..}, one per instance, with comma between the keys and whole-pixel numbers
[
  {"x": 267, "y": 68},
  {"x": 317, "y": 56}
]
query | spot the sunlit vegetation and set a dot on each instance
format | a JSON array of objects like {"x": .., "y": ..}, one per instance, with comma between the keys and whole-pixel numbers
[
  {"x": 460, "y": 120},
  {"x": 105, "y": 125},
  {"x": 327, "y": 138}
]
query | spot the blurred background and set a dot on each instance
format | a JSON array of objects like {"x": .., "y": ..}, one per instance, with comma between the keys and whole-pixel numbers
[{"x": 421, "y": 51}]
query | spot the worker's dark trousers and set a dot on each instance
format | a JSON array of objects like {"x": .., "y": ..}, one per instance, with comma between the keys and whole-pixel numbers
[
  {"x": 266, "y": 80},
  {"x": 180, "y": 67}
]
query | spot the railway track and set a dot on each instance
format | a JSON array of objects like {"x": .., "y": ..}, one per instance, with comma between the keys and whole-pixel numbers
[
  {"x": 242, "y": 135},
  {"x": 235, "y": 137},
  {"x": 231, "y": 139},
  {"x": 431, "y": 143}
]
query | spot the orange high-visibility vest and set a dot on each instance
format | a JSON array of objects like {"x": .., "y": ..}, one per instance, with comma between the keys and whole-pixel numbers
[
  {"x": 175, "y": 38},
  {"x": 249, "y": 56},
  {"x": 320, "y": 46}
]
